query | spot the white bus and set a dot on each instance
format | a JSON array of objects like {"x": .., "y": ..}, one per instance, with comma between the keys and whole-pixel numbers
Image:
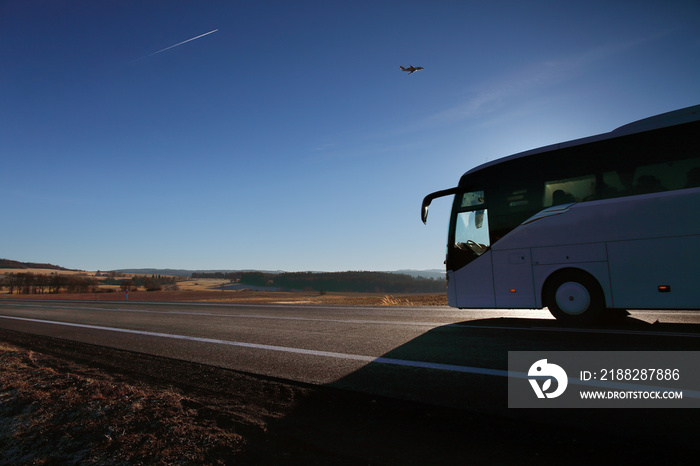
[{"x": 609, "y": 221}]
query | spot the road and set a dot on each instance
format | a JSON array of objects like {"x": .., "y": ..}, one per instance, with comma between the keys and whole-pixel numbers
[
  {"x": 441, "y": 370},
  {"x": 426, "y": 354}
]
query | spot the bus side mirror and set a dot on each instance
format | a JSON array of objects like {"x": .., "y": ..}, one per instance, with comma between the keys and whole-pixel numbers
[{"x": 429, "y": 198}]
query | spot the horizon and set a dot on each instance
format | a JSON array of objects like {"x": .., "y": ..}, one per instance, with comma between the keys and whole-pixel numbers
[
  {"x": 179, "y": 269},
  {"x": 284, "y": 136}
]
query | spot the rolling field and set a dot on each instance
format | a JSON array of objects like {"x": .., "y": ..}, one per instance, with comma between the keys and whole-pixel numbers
[{"x": 211, "y": 290}]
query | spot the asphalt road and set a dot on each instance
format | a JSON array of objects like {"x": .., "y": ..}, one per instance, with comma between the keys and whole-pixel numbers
[
  {"x": 441, "y": 372},
  {"x": 440, "y": 356}
]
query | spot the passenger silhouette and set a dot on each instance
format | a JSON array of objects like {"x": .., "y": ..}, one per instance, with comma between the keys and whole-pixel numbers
[{"x": 561, "y": 197}]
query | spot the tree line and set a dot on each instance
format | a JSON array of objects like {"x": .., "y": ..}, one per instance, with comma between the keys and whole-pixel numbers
[
  {"x": 35, "y": 283},
  {"x": 152, "y": 283},
  {"x": 362, "y": 282}
]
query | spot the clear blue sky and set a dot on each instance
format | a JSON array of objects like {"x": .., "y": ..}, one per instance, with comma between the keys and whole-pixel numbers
[{"x": 289, "y": 139}]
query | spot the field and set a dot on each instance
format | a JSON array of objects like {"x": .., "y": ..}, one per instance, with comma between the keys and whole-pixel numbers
[{"x": 221, "y": 291}]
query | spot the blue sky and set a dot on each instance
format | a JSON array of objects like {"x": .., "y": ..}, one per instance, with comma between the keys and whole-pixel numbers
[{"x": 289, "y": 139}]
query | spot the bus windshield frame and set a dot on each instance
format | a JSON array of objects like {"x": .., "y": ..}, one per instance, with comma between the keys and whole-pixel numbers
[{"x": 469, "y": 234}]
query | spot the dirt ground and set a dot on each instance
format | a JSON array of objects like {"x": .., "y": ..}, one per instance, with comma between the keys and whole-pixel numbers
[{"x": 89, "y": 408}]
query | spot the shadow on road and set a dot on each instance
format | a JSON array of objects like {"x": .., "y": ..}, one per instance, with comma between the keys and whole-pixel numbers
[
  {"x": 375, "y": 416},
  {"x": 610, "y": 323}
]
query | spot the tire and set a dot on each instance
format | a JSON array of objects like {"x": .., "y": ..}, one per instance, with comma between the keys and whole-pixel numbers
[{"x": 575, "y": 297}]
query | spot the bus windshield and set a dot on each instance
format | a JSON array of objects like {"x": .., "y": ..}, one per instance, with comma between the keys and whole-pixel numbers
[{"x": 470, "y": 237}]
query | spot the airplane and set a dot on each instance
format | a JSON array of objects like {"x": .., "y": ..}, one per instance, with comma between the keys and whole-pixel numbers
[{"x": 411, "y": 69}]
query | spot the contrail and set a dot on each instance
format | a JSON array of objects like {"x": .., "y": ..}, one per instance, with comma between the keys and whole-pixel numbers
[{"x": 180, "y": 43}]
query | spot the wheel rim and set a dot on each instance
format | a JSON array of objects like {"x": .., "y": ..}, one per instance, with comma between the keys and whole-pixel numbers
[{"x": 573, "y": 298}]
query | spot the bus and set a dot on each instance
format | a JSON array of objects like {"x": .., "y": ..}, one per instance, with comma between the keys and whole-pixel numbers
[{"x": 606, "y": 222}]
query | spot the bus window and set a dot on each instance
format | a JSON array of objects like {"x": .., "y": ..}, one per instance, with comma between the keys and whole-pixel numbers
[
  {"x": 473, "y": 224},
  {"x": 568, "y": 190},
  {"x": 652, "y": 177},
  {"x": 472, "y": 199},
  {"x": 665, "y": 176},
  {"x": 470, "y": 236}
]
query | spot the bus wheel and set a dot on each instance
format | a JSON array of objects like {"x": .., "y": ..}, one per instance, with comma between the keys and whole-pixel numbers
[{"x": 575, "y": 297}]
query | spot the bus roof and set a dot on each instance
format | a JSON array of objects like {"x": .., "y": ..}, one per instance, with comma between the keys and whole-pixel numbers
[{"x": 676, "y": 117}]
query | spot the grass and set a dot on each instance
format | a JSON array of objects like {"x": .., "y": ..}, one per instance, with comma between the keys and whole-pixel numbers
[{"x": 390, "y": 300}]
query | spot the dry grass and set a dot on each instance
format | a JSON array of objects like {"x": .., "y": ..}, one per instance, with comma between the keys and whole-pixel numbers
[
  {"x": 48, "y": 416},
  {"x": 390, "y": 300}
]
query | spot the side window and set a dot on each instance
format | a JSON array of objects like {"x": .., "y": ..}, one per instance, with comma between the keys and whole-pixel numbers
[
  {"x": 472, "y": 199},
  {"x": 652, "y": 178},
  {"x": 569, "y": 190},
  {"x": 626, "y": 181},
  {"x": 666, "y": 176}
]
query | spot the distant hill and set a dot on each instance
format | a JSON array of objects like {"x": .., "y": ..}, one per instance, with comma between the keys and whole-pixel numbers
[{"x": 10, "y": 264}]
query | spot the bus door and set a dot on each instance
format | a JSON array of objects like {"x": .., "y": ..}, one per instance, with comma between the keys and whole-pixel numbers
[{"x": 469, "y": 267}]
